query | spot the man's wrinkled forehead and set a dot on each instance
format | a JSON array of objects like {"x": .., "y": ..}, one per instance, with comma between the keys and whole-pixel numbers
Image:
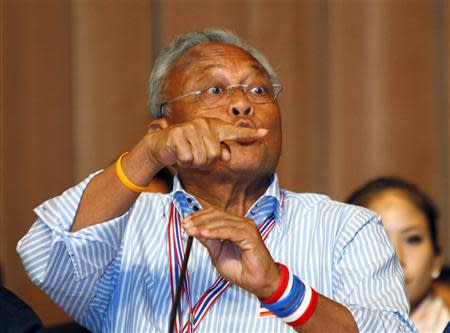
[{"x": 211, "y": 55}]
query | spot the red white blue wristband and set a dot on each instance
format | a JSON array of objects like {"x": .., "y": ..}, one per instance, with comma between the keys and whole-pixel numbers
[
  {"x": 293, "y": 301},
  {"x": 304, "y": 317},
  {"x": 288, "y": 286}
]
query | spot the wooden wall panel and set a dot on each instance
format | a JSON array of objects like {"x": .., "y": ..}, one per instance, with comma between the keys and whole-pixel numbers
[
  {"x": 349, "y": 84},
  {"x": 410, "y": 87},
  {"x": 3, "y": 227},
  {"x": 193, "y": 15},
  {"x": 111, "y": 64},
  {"x": 383, "y": 100},
  {"x": 37, "y": 130},
  {"x": 384, "y": 97}
]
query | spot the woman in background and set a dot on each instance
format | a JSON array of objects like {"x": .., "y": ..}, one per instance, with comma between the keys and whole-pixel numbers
[{"x": 409, "y": 218}]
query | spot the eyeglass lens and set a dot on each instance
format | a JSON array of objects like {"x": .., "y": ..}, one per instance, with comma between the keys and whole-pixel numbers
[{"x": 210, "y": 98}]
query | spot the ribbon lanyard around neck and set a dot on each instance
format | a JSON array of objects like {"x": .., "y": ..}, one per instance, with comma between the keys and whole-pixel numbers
[{"x": 176, "y": 254}]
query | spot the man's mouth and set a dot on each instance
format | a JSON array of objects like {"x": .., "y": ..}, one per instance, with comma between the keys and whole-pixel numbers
[
  {"x": 247, "y": 143},
  {"x": 240, "y": 143},
  {"x": 244, "y": 123}
]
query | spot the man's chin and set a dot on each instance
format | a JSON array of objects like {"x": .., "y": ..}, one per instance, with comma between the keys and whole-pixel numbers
[
  {"x": 232, "y": 167},
  {"x": 243, "y": 168}
]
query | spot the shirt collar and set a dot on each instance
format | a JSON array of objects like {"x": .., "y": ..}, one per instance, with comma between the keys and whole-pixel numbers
[{"x": 187, "y": 203}]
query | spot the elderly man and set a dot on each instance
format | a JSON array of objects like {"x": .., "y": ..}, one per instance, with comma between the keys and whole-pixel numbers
[{"x": 263, "y": 260}]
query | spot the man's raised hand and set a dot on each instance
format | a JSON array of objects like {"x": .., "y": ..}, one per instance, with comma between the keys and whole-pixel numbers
[{"x": 197, "y": 143}]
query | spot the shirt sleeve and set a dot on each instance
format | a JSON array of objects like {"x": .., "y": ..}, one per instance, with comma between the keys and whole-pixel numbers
[
  {"x": 75, "y": 269},
  {"x": 369, "y": 279}
]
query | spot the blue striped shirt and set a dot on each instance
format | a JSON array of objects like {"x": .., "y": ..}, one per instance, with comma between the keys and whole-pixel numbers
[{"x": 114, "y": 276}]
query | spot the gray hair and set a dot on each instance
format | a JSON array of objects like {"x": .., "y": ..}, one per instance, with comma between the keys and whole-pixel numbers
[{"x": 168, "y": 57}]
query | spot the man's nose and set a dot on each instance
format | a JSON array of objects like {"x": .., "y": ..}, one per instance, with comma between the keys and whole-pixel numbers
[{"x": 239, "y": 104}]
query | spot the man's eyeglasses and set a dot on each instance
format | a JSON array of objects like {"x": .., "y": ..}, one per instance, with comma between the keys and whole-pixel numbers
[{"x": 216, "y": 96}]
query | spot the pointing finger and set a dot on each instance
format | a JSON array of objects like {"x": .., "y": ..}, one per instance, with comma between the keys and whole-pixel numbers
[{"x": 239, "y": 133}]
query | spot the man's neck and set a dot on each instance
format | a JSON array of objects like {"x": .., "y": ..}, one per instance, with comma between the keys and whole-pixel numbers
[{"x": 234, "y": 195}]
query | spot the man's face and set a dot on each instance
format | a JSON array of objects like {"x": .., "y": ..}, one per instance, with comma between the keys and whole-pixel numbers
[{"x": 210, "y": 64}]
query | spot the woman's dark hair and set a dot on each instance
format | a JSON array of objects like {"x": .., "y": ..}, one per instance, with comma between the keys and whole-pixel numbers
[{"x": 365, "y": 194}]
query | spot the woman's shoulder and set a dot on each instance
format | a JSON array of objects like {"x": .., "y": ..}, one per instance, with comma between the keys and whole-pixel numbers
[
  {"x": 432, "y": 314},
  {"x": 442, "y": 290}
]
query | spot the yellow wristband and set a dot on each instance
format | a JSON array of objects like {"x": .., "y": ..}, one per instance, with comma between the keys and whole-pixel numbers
[{"x": 124, "y": 179}]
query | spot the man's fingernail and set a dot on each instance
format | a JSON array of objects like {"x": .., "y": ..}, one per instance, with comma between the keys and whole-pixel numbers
[
  {"x": 225, "y": 155},
  {"x": 263, "y": 131}
]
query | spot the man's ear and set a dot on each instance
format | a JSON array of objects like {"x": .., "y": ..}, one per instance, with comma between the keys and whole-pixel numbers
[{"x": 157, "y": 124}]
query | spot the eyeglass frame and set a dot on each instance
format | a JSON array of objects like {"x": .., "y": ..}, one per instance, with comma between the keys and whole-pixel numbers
[{"x": 229, "y": 90}]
